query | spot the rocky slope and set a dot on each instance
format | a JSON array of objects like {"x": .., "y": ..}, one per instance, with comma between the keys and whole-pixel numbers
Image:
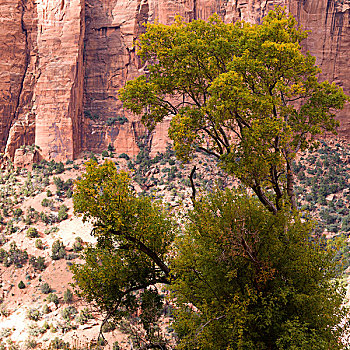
[{"x": 62, "y": 63}]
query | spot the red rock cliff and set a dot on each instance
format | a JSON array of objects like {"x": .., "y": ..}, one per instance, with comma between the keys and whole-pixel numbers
[{"x": 63, "y": 61}]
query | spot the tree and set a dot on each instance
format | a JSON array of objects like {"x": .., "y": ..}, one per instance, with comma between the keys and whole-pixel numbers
[
  {"x": 121, "y": 273},
  {"x": 249, "y": 279},
  {"x": 243, "y": 93}
]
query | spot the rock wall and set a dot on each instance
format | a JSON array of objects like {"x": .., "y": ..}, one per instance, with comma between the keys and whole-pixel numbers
[{"x": 63, "y": 61}]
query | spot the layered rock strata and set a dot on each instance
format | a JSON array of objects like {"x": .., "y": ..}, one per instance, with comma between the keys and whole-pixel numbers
[{"x": 63, "y": 61}]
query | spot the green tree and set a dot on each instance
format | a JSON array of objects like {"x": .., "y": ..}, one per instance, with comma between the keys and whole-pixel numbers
[
  {"x": 248, "y": 279},
  {"x": 121, "y": 273},
  {"x": 243, "y": 93}
]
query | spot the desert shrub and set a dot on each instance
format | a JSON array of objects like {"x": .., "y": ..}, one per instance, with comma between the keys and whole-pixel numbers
[
  {"x": 32, "y": 232},
  {"x": 33, "y": 314},
  {"x": 108, "y": 327},
  {"x": 45, "y": 288},
  {"x": 124, "y": 155},
  {"x": 58, "y": 343},
  {"x": 68, "y": 312},
  {"x": 104, "y": 153},
  {"x": 68, "y": 296},
  {"x": 78, "y": 245},
  {"x": 21, "y": 285},
  {"x": 38, "y": 263},
  {"x": 53, "y": 298},
  {"x": 69, "y": 193},
  {"x": 46, "y": 309},
  {"x": 62, "y": 213},
  {"x": 58, "y": 251},
  {"x": 46, "y": 202},
  {"x": 84, "y": 316},
  {"x": 30, "y": 343},
  {"x": 17, "y": 212},
  {"x": 39, "y": 244},
  {"x": 116, "y": 346},
  {"x": 3, "y": 239},
  {"x": 16, "y": 256},
  {"x": 59, "y": 168}
]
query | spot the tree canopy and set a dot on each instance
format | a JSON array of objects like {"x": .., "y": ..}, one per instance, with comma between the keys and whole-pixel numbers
[
  {"x": 243, "y": 93},
  {"x": 249, "y": 279},
  {"x": 134, "y": 235},
  {"x": 240, "y": 277}
]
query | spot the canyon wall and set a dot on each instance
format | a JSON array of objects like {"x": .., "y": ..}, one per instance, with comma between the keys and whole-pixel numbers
[{"x": 63, "y": 61}]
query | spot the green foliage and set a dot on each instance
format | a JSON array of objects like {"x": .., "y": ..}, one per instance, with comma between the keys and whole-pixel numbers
[
  {"x": 124, "y": 155},
  {"x": 38, "y": 263},
  {"x": 78, "y": 245},
  {"x": 45, "y": 288},
  {"x": 133, "y": 240},
  {"x": 68, "y": 296},
  {"x": 39, "y": 244},
  {"x": 247, "y": 88},
  {"x": 21, "y": 285},
  {"x": 58, "y": 251},
  {"x": 68, "y": 312},
  {"x": 32, "y": 232},
  {"x": 62, "y": 213},
  {"x": 247, "y": 279},
  {"x": 53, "y": 298},
  {"x": 84, "y": 316},
  {"x": 58, "y": 343},
  {"x": 14, "y": 256},
  {"x": 33, "y": 314}
]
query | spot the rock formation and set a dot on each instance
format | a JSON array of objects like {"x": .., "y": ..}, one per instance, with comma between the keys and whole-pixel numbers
[{"x": 62, "y": 63}]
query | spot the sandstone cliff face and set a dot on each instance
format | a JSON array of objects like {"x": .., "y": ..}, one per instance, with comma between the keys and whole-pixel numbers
[{"x": 62, "y": 63}]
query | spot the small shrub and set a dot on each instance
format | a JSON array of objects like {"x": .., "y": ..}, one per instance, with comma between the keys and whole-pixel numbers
[
  {"x": 45, "y": 202},
  {"x": 67, "y": 296},
  {"x": 108, "y": 327},
  {"x": 53, "y": 298},
  {"x": 30, "y": 343},
  {"x": 46, "y": 309},
  {"x": 39, "y": 244},
  {"x": 32, "y": 232},
  {"x": 58, "y": 343},
  {"x": 124, "y": 155},
  {"x": 33, "y": 314},
  {"x": 62, "y": 213},
  {"x": 21, "y": 285},
  {"x": 45, "y": 288},
  {"x": 84, "y": 316},
  {"x": 58, "y": 251},
  {"x": 68, "y": 312},
  {"x": 116, "y": 346},
  {"x": 38, "y": 263},
  {"x": 78, "y": 246}
]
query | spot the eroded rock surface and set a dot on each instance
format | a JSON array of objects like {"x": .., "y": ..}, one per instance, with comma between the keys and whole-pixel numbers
[{"x": 62, "y": 63}]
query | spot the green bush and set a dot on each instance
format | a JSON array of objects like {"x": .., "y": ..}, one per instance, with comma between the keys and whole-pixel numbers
[
  {"x": 45, "y": 288},
  {"x": 68, "y": 312},
  {"x": 53, "y": 298},
  {"x": 62, "y": 213},
  {"x": 124, "y": 155},
  {"x": 39, "y": 244},
  {"x": 21, "y": 285},
  {"x": 67, "y": 296},
  {"x": 78, "y": 245},
  {"x": 32, "y": 232},
  {"x": 58, "y": 343},
  {"x": 33, "y": 314},
  {"x": 38, "y": 263},
  {"x": 58, "y": 251},
  {"x": 84, "y": 316}
]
